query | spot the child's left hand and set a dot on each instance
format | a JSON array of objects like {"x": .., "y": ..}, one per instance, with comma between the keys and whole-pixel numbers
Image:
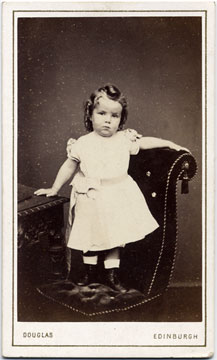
[{"x": 179, "y": 148}]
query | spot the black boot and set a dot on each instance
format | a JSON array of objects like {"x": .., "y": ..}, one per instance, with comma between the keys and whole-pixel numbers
[
  {"x": 89, "y": 276},
  {"x": 113, "y": 281}
]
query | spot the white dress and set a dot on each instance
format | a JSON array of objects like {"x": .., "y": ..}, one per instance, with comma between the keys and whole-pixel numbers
[{"x": 110, "y": 209}]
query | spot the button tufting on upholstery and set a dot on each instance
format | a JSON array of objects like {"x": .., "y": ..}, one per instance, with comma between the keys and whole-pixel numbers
[
  {"x": 154, "y": 194},
  {"x": 185, "y": 165},
  {"x": 148, "y": 173}
]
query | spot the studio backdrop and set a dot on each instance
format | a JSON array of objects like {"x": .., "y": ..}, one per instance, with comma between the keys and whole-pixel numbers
[{"x": 155, "y": 61}]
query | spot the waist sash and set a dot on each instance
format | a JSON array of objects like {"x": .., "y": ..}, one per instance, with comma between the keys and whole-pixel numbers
[{"x": 86, "y": 185}]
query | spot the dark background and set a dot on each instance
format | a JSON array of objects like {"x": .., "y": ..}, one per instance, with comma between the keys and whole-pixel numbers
[{"x": 155, "y": 61}]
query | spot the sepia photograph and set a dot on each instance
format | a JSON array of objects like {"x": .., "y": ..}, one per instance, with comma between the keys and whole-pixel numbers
[{"x": 107, "y": 161}]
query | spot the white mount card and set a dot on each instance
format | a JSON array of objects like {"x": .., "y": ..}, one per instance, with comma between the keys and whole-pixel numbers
[{"x": 120, "y": 97}]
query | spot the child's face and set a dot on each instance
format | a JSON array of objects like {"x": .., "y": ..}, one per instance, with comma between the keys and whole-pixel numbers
[{"x": 106, "y": 117}]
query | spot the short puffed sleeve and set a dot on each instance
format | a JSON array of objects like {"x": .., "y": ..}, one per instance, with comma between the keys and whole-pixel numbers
[
  {"x": 132, "y": 137},
  {"x": 72, "y": 150}
]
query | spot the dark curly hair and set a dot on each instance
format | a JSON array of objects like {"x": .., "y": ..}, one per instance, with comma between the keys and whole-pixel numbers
[{"x": 113, "y": 93}]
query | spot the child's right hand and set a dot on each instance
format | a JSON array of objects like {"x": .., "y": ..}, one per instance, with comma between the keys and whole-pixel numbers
[{"x": 48, "y": 192}]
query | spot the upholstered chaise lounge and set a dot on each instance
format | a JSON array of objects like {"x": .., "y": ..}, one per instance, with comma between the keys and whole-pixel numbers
[{"x": 147, "y": 265}]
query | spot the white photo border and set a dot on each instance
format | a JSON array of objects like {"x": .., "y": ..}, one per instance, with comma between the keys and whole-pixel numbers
[{"x": 13, "y": 344}]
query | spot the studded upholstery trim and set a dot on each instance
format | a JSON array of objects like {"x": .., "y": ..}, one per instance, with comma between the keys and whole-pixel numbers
[
  {"x": 99, "y": 312},
  {"x": 165, "y": 222}
]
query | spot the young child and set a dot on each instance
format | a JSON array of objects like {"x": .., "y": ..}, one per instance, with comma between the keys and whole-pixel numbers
[{"x": 110, "y": 209}]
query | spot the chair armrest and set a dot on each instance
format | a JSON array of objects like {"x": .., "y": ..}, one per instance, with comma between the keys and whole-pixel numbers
[
  {"x": 154, "y": 170},
  {"x": 154, "y": 164},
  {"x": 157, "y": 172}
]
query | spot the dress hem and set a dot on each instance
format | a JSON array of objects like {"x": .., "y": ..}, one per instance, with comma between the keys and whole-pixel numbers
[{"x": 115, "y": 245}]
